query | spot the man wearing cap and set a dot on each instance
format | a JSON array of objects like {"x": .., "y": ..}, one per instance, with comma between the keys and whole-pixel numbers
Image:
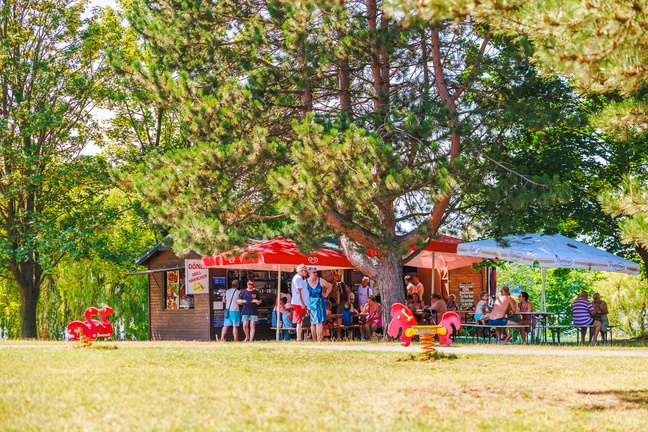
[{"x": 299, "y": 297}]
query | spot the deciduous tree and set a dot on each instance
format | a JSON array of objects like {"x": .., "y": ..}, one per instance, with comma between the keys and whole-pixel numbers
[{"x": 52, "y": 74}]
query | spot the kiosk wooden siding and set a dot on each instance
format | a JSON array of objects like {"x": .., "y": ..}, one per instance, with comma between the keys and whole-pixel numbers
[
  {"x": 183, "y": 324},
  {"x": 174, "y": 324}
]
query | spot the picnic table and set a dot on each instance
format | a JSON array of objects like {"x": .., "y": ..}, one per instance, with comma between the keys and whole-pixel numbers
[
  {"x": 471, "y": 329},
  {"x": 542, "y": 324}
]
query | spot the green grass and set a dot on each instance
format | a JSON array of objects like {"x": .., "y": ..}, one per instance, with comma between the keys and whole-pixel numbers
[{"x": 288, "y": 387}]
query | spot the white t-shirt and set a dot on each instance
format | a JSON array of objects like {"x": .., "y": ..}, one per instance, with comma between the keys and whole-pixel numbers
[
  {"x": 298, "y": 282},
  {"x": 363, "y": 293},
  {"x": 233, "y": 305}
]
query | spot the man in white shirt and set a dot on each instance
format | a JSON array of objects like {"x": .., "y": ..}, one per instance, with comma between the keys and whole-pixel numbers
[
  {"x": 364, "y": 291},
  {"x": 299, "y": 300},
  {"x": 234, "y": 312}
]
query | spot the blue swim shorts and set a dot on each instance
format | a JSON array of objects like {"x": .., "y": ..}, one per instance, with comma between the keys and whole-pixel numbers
[
  {"x": 250, "y": 318},
  {"x": 233, "y": 320},
  {"x": 497, "y": 322},
  {"x": 517, "y": 320}
]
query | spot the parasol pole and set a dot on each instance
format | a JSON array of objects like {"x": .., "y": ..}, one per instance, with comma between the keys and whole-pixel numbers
[
  {"x": 278, "y": 301},
  {"x": 433, "y": 275},
  {"x": 543, "y": 305}
]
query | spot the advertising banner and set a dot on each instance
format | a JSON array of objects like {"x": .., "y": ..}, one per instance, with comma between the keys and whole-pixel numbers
[{"x": 197, "y": 277}]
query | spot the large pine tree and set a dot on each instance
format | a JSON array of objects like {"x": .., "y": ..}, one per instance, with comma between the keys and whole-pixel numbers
[{"x": 332, "y": 120}]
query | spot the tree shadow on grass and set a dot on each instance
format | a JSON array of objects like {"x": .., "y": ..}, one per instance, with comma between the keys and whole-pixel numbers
[{"x": 626, "y": 399}]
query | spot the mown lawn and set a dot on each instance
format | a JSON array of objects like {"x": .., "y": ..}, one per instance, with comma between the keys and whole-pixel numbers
[{"x": 288, "y": 387}]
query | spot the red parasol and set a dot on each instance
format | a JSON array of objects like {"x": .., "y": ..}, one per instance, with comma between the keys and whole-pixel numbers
[{"x": 271, "y": 254}]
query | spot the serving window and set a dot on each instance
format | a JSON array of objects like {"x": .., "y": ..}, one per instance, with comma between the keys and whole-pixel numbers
[{"x": 175, "y": 291}]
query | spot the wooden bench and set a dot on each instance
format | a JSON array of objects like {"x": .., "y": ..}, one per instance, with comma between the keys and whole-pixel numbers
[
  {"x": 288, "y": 329},
  {"x": 555, "y": 331},
  {"x": 580, "y": 329},
  {"x": 475, "y": 327}
]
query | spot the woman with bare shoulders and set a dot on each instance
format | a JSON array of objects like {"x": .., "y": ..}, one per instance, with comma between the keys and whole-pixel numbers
[
  {"x": 374, "y": 319},
  {"x": 317, "y": 302},
  {"x": 600, "y": 314}
]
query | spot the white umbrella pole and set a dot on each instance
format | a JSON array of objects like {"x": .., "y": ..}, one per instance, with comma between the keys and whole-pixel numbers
[
  {"x": 278, "y": 301},
  {"x": 433, "y": 275},
  {"x": 543, "y": 305}
]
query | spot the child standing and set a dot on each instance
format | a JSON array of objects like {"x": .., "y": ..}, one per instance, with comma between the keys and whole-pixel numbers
[{"x": 347, "y": 319}]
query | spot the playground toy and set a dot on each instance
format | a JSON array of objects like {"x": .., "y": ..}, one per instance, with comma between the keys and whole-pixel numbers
[
  {"x": 403, "y": 321},
  {"x": 91, "y": 329}
]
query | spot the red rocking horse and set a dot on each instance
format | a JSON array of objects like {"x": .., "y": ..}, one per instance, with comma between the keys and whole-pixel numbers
[{"x": 91, "y": 329}]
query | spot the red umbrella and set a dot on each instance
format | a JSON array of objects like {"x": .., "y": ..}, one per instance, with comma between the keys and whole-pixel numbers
[
  {"x": 271, "y": 254},
  {"x": 439, "y": 253},
  {"x": 443, "y": 253}
]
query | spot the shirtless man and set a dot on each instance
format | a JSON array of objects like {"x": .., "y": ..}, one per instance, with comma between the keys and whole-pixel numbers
[{"x": 502, "y": 305}]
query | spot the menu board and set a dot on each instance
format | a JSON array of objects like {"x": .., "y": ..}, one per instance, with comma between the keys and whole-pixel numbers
[
  {"x": 172, "y": 289},
  {"x": 219, "y": 318},
  {"x": 466, "y": 295}
]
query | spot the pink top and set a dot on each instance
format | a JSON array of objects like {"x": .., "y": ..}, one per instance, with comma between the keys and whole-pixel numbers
[{"x": 377, "y": 320}]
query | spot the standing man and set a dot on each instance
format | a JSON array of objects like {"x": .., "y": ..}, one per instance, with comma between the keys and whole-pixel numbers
[
  {"x": 299, "y": 298},
  {"x": 501, "y": 307},
  {"x": 233, "y": 311},
  {"x": 417, "y": 287},
  {"x": 582, "y": 316},
  {"x": 250, "y": 299},
  {"x": 364, "y": 291}
]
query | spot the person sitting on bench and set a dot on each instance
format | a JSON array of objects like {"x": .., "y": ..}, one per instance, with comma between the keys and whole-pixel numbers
[
  {"x": 438, "y": 308},
  {"x": 524, "y": 306},
  {"x": 497, "y": 317},
  {"x": 582, "y": 317},
  {"x": 482, "y": 310},
  {"x": 600, "y": 314}
]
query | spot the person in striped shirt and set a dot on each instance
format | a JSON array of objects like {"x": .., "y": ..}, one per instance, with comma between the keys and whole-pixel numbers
[{"x": 582, "y": 316}]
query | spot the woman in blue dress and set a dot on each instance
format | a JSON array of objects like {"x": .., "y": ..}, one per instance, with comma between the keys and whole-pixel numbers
[{"x": 317, "y": 301}]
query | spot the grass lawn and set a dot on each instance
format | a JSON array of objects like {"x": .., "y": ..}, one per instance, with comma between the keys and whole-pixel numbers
[{"x": 288, "y": 387}]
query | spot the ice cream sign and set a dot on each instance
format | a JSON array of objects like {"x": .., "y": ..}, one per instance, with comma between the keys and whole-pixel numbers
[{"x": 197, "y": 277}]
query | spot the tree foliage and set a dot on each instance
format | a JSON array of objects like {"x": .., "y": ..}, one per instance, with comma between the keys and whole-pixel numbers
[
  {"x": 601, "y": 48},
  {"x": 627, "y": 299}
]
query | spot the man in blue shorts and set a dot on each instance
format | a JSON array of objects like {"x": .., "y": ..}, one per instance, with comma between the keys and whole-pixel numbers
[
  {"x": 502, "y": 305},
  {"x": 234, "y": 313},
  {"x": 250, "y": 299}
]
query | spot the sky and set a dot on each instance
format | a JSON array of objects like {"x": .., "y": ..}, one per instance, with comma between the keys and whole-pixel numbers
[{"x": 101, "y": 114}]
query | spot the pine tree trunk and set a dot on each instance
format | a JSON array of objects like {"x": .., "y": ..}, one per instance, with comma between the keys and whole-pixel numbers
[
  {"x": 390, "y": 282},
  {"x": 643, "y": 253}
]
